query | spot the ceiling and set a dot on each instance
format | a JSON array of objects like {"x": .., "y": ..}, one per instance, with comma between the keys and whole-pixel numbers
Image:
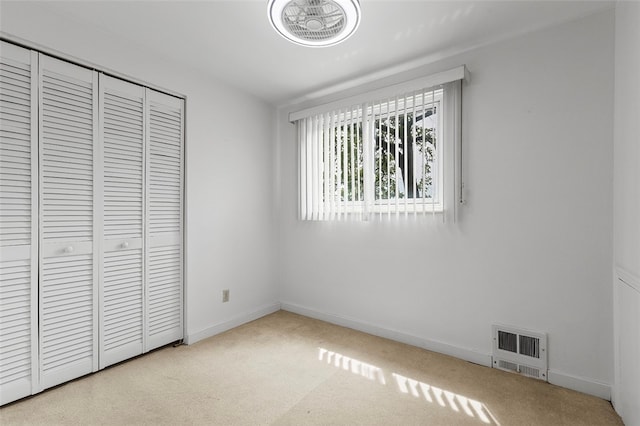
[{"x": 234, "y": 42}]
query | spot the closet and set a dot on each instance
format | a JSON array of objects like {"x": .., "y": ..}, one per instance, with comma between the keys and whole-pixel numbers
[{"x": 91, "y": 219}]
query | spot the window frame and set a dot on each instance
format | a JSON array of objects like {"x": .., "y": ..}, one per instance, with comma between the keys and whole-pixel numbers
[
  {"x": 326, "y": 130},
  {"x": 415, "y": 203}
]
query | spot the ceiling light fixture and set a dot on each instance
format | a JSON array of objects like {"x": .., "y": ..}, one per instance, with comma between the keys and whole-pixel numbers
[{"x": 315, "y": 23}]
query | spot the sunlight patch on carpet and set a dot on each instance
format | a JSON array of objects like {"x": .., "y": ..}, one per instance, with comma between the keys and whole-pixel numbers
[
  {"x": 355, "y": 366},
  {"x": 446, "y": 399},
  {"x": 406, "y": 385}
]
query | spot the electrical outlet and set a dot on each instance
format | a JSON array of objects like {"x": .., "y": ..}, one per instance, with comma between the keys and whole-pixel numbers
[{"x": 225, "y": 296}]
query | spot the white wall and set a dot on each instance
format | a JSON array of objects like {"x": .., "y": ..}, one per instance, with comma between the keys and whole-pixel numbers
[
  {"x": 533, "y": 247},
  {"x": 229, "y": 233},
  {"x": 626, "y": 210}
]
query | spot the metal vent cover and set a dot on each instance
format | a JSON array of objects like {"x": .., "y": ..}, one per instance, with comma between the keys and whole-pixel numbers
[
  {"x": 529, "y": 346},
  {"x": 315, "y": 23},
  {"x": 521, "y": 351},
  {"x": 529, "y": 371},
  {"x": 506, "y": 365},
  {"x": 507, "y": 341}
]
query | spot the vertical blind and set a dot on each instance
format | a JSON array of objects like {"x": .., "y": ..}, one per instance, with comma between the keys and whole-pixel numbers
[{"x": 385, "y": 158}]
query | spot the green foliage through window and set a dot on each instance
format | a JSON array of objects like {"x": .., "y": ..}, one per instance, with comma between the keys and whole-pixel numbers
[{"x": 404, "y": 156}]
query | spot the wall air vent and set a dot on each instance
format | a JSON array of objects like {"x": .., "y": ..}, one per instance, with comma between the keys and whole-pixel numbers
[
  {"x": 507, "y": 341},
  {"x": 520, "y": 351}
]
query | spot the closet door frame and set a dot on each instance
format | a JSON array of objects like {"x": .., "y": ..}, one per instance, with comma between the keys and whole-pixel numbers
[{"x": 35, "y": 221}]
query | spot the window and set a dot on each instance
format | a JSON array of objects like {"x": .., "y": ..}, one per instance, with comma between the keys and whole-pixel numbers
[{"x": 387, "y": 158}]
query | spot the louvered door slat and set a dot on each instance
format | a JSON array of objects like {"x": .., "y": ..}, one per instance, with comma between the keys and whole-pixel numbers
[
  {"x": 68, "y": 269},
  {"x": 91, "y": 179},
  {"x": 122, "y": 288},
  {"x": 18, "y": 222},
  {"x": 164, "y": 218},
  {"x": 15, "y": 340}
]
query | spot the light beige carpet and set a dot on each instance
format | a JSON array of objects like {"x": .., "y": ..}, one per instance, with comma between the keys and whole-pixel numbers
[{"x": 285, "y": 369}]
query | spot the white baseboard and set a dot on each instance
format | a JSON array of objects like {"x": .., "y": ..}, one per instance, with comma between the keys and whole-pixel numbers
[
  {"x": 474, "y": 356},
  {"x": 580, "y": 384},
  {"x": 232, "y": 323}
]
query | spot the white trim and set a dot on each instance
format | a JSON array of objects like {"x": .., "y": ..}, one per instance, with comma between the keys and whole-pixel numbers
[
  {"x": 621, "y": 277},
  {"x": 458, "y": 73},
  {"x": 98, "y": 219},
  {"x": 145, "y": 221},
  {"x": 35, "y": 222},
  {"x": 581, "y": 384},
  {"x": 185, "y": 225},
  {"x": 38, "y": 387},
  {"x": 235, "y": 321},
  {"x": 183, "y": 262},
  {"x": 628, "y": 277},
  {"x": 615, "y": 390},
  {"x": 471, "y": 355}
]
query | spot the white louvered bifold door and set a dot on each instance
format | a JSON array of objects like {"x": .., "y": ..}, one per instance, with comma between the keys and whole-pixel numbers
[
  {"x": 18, "y": 222},
  {"x": 165, "y": 118},
  {"x": 69, "y": 202},
  {"x": 122, "y": 290}
]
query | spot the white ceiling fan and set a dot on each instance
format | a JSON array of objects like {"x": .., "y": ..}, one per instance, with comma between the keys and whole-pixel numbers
[{"x": 315, "y": 23}]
